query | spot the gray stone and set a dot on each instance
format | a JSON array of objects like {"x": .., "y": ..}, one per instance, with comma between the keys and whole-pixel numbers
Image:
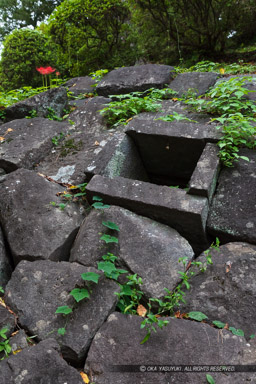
[
  {"x": 170, "y": 150},
  {"x": 119, "y": 157},
  {"x": 198, "y": 82},
  {"x": 20, "y": 341},
  {"x": 136, "y": 78},
  {"x": 38, "y": 288},
  {"x": 55, "y": 98},
  {"x": 76, "y": 152},
  {"x": 39, "y": 364},
  {"x": 5, "y": 263},
  {"x": 27, "y": 142},
  {"x": 87, "y": 118},
  {"x": 204, "y": 178},
  {"x": 79, "y": 85},
  {"x": 181, "y": 342},
  {"x": 145, "y": 247},
  {"x": 232, "y": 215},
  {"x": 185, "y": 213},
  {"x": 227, "y": 290},
  {"x": 34, "y": 229}
]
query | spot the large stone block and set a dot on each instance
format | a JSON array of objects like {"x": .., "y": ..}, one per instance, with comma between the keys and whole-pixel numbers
[
  {"x": 174, "y": 207},
  {"x": 38, "y": 288},
  {"x": 232, "y": 215},
  {"x": 39, "y": 364},
  {"x": 27, "y": 142},
  {"x": 34, "y": 229},
  {"x": 198, "y": 82},
  {"x": 145, "y": 247},
  {"x": 116, "y": 348},
  {"x": 56, "y": 99},
  {"x": 136, "y": 78},
  {"x": 227, "y": 290}
]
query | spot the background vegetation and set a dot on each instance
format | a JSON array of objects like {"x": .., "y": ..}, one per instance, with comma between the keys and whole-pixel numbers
[{"x": 80, "y": 36}]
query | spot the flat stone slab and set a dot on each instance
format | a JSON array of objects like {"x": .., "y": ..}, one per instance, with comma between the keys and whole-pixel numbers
[
  {"x": 27, "y": 142},
  {"x": 5, "y": 263},
  {"x": 198, "y": 82},
  {"x": 227, "y": 290},
  {"x": 38, "y": 288},
  {"x": 135, "y": 78},
  {"x": 232, "y": 215},
  {"x": 35, "y": 229},
  {"x": 81, "y": 85},
  {"x": 174, "y": 207},
  {"x": 181, "y": 342},
  {"x": 75, "y": 153},
  {"x": 153, "y": 253},
  {"x": 204, "y": 178},
  {"x": 87, "y": 117},
  {"x": 39, "y": 364},
  {"x": 55, "y": 98}
]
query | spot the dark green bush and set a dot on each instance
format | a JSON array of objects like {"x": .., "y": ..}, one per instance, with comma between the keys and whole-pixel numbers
[{"x": 24, "y": 50}]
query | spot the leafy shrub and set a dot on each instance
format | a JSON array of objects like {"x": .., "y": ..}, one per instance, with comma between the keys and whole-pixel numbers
[{"x": 24, "y": 50}]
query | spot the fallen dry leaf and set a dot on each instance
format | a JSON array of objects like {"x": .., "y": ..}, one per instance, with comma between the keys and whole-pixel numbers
[
  {"x": 17, "y": 351},
  {"x": 2, "y": 138},
  {"x": 141, "y": 311},
  {"x": 222, "y": 71},
  {"x": 14, "y": 333},
  {"x": 228, "y": 266},
  {"x": 85, "y": 377},
  {"x": 97, "y": 143},
  {"x": 175, "y": 99},
  {"x": 9, "y": 130},
  {"x": 127, "y": 121},
  {"x": 2, "y": 302}
]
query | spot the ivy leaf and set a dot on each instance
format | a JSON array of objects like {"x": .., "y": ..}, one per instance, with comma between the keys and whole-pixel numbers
[
  {"x": 219, "y": 324},
  {"x": 106, "y": 266},
  {"x": 80, "y": 294},
  {"x": 90, "y": 276},
  {"x": 100, "y": 205},
  {"x": 252, "y": 336},
  {"x": 237, "y": 332},
  {"x": 210, "y": 379},
  {"x": 146, "y": 337},
  {"x": 111, "y": 225},
  {"x": 97, "y": 198},
  {"x": 198, "y": 316},
  {"x": 65, "y": 310},
  {"x": 109, "y": 239},
  {"x": 61, "y": 331}
]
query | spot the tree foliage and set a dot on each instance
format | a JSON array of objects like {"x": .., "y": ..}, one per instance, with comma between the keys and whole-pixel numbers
[
  {"x": 24, "y": 50},
  {"x": 24, "y": 13},
  {"x": 92, "y": 33}
]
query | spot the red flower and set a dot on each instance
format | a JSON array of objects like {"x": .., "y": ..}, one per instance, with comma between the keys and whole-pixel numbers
[
  {"x": 49, "y": 70},
  {"x": 57, "y": 74},
  {"x": 45, "y": 71}
]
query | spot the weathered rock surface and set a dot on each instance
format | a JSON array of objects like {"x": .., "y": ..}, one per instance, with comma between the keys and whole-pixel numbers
[
  {"x": 120, "y": 157},
  {"x": 87, "y": 118},
  {"x": 55, "y": 98},
  {"x": 75, "y": 153},
  {"x": 144, "y": 247},
  {"x": 198, "y": 82},
  {"x": 174, "y": 207},
  {"x": 5, "y": 263},
  {"x": 39, "y": 364},
  {"x": 232, "y": 214},
  {"x": 204, "y": 178},
  {"x": 79, "y": 85},
  {"x": 27, "y": 142},
  {"x": 33, "y": 227},
  {"x": 38, "y": 288},
  {"x": 135, "y": 78},
  {"x": 181, "y": 342},
  {"x": 227, "y": 290}
]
